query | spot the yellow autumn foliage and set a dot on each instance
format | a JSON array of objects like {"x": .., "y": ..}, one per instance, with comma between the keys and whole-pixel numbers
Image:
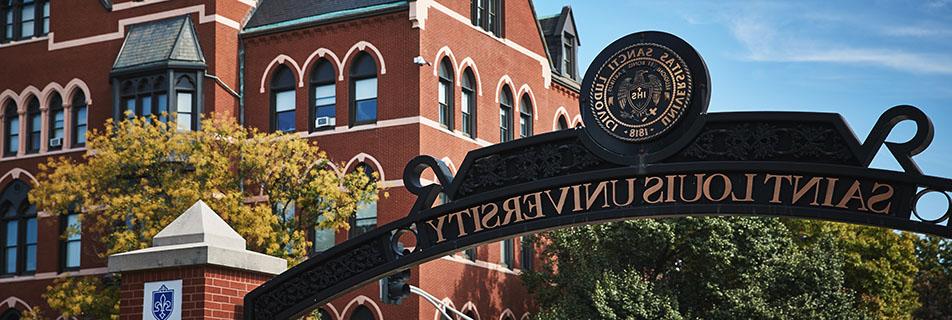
[{"x": 140, "y": 174}]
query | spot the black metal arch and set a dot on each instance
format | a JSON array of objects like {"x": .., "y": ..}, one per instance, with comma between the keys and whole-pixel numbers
[{"x": 790, "y": 164}]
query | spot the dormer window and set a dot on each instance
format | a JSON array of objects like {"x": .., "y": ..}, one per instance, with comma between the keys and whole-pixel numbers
[
  {"x": 487, "y": 14},
  {"x": 569, "y": 66}
]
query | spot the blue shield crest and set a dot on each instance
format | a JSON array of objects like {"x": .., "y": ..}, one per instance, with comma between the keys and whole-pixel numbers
[{"x": 162, "y": 303}]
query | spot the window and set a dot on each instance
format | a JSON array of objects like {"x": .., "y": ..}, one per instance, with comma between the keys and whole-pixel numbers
[
  {"x": 365, "y": 219},
  {"x": 71, "y": 241},
  {"x": 283, "y": 100},
  {"x": 446, "y": 93},
  {"x": 507, "y": 254},
  {"x": 362, "y": 313},
  {"x": 568, "y": 56},
  {"x": 468, "y": 103},
  {"x": 324, "y": 92},
  {"x": 24, "y": 19},
  {"x": 79, "y": 119},
  {"x": 144, "y": 97},
  {"x": 363, "y": 87},
  {"x": 19, "y": 231},
  {"x": 11, "y": 136},
  {"x": 34, "y": 127},
  {"x": 487, "y": 14},
  {"x": 527, "y": 254},
  {"x": 11, "y": 314},
  {"x": 505, "y": 115},
  {"x": 525, "y": 117},
  {"x": 57, "y": 119},
  {"x": 323, "y": 238},
  {"x": 185, "y": 118},
  {"x": 563, "y": 123}
]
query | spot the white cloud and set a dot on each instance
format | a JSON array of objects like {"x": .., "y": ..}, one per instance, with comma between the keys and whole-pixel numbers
[{"x": 765, "y": 40}]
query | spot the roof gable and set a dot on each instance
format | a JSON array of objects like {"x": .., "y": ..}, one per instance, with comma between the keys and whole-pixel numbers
[{"x": 160, "y": 42}]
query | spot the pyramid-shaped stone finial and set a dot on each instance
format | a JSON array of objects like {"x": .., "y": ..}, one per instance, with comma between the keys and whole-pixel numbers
[{"x": 199, "y": 224}]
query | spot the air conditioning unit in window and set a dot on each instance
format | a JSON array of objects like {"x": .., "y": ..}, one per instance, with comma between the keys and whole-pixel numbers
[
  {"x": 56, "y": 142},
  {"x": 322, "y": 122}
]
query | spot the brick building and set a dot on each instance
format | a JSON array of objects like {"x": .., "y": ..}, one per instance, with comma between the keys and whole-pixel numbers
[{"x": 375, "y": 82}]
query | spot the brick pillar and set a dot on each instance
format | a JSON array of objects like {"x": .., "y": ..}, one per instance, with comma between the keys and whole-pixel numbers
[{"x": 201, "y": 251}]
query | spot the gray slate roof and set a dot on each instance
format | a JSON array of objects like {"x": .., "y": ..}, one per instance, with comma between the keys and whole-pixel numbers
[
  {"x": 271, "y": 12},
  {"x": 160, "y": 42}
]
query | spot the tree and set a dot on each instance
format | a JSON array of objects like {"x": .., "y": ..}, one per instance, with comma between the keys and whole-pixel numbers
[
  {"x": 691, "y": 268},
  {"x": 934, "y": 280},
  {"x": 880, "y": 264},
  {"x": 140, "y": 174}
]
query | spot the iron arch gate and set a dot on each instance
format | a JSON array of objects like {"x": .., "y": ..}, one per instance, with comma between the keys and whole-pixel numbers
[{"x": 649, "y": 149}]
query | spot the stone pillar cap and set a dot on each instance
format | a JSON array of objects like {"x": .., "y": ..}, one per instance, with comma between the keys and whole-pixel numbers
[{"x": 199, "y": 224}]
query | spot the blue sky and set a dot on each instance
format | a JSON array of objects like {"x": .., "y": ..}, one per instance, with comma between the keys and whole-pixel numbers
[{"x": 856, "y": 58}]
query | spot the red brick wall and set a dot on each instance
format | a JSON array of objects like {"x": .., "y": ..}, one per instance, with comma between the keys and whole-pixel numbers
[{"x": 208, "y": 292}]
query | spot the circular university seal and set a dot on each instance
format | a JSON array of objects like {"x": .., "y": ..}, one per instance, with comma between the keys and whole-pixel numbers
[{"x": 643, "y": 92}]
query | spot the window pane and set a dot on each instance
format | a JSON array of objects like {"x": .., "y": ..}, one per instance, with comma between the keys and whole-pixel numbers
[
  {"x": 31, "y": 258},
  {"x": 130, "y": 108},
  {"x": 366, "y": 89},
  {"x": 13, "y": 144},
  {"x": 81, "y": 124},
  {"x": 323, "y": 238},
  {"x": 12, "y": 228},
  {"x": 72, "y": 221},
  {"x": 183, "y": 121},
  {"x": 465, "y": 102},
  {"x": 58, "y": 119},
  {"x": 284, "y": 121},
  {"x": 443, "y": 89},
  {"x": 325, "y": 111},
  {"x": 73, "y": 251},
  {"x": 161, "y": 108},
  {"x": 31, "y": 231},
  {"x": 367, "y": 110},
  {"x": 81, "y": 114},
  {"x": 284, "y": 101},
  {"x": 324, "y": 92},
  {"x": 146, "y": 106},
  {"x": 9, "y": 32},
  {"x": 11, "y": 259},
  {"x": 184, "y": 102},
  {"x": 46, "y": 17}
]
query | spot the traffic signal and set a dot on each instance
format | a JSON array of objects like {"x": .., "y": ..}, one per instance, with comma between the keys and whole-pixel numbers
[{"x": 395, "y": 288}]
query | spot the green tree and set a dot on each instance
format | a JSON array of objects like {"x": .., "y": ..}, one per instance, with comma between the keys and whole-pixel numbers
[
  {"x": 691, "y": 268},
  {"x": 880, "y": 265},
  {"x": 140, "y": 174},
  {"x": 934, "y": 280}
]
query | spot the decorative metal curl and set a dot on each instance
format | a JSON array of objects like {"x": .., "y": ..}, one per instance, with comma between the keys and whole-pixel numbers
[
  {"x": 915, "y": 209},
  {"x": 903, "y": 152},
  {"x": 397, "y": 247}
]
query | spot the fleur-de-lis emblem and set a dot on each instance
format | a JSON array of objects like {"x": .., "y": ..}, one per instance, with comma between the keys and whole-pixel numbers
[{"x": 163, "y": 303}]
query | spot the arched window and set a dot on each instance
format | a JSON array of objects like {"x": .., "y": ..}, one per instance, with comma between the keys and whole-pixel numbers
[
  {"x": 79, "y": 120},
  {"x": 563, "y": 123},
  {"x": 144, "y": 97},
  {"x": 10, "y": 314},
  {"x": 363, "y": 90},
  {"x": 468, "y": 103},
  {"x": 362, "y": 313},
  {"x": 505, "y": 115},
  {"x": 19, "y": 229},
  {"x": 34, "y": 126},
  {"x": 446, "y": 93},
  {"x": 324, "y": 91},
  {"x": 365, "y": 219},
  {"x": 525, "y": 117},
  {"x": 11, "y": 136},
  {"x": 185, "y": 118},
  {"x": 57, "y": 125},
  {"x": 283, "y": 100}
]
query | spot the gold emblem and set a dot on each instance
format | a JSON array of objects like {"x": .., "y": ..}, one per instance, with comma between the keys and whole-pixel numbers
[{"x": 641, "y": 92}]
